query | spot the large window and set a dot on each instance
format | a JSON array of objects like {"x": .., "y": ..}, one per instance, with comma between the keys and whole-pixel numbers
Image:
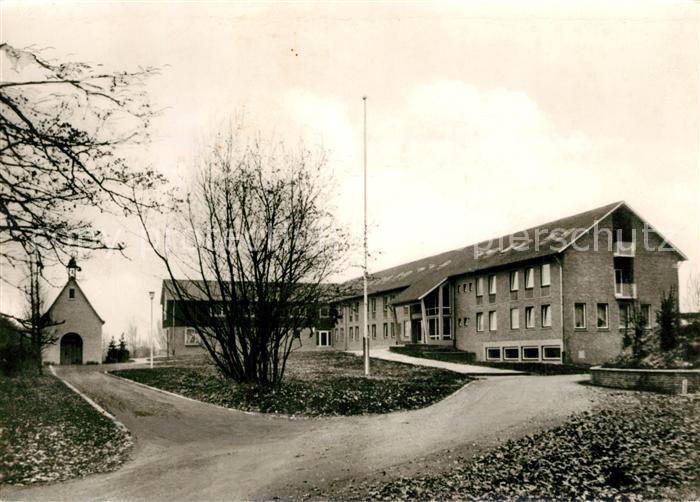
[
  {"x": 529, "y": 278},
  {"x": 493, "y": 353},
  {"x": 480, "y": 321},
  {"x": 546, "y": 315},
  {"x": 492, "y": 284},
  {"x": 514, "y": 280},
  {"x": 511, "y": 353},
  {"x": 529, "y": 317},
  {"x": 514, "y": 318},
  {"x": 191, "y": 337},
  {"x": 531, "y": 353},
  {"x": 602, "y": 315},
  {"x": 552, "y": 352},
  {"x": 480, "y": 286},
  {"x": 493, "y": 321},
  {"x": 545, "y": 275},
  {"x": 580, "y": 315}
]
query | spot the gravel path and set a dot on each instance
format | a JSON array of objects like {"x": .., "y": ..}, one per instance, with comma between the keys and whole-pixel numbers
[{"x": 189, "y": 450}]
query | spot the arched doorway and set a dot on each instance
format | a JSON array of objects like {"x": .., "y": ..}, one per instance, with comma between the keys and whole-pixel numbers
[{"x": 71, "y": 349}]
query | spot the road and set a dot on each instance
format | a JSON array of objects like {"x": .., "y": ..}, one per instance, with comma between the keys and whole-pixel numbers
[{"x": 186, "y": 450}]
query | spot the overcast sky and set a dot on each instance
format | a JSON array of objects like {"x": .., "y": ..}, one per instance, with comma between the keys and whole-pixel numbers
[{"x": 483, "y": 117}]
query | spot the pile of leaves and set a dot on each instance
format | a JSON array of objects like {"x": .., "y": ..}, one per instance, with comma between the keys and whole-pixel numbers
[
  {"x": 317, "y": 383},
  {"x": 639, "y": 447},
  {"x": 49, "y": 433}
]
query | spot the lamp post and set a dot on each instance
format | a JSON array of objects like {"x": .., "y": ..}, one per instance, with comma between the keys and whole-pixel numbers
[{"x": 151, "y": 294}]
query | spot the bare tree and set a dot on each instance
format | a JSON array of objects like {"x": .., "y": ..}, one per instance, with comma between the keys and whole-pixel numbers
[
  {"x": 61, "y": 124},
  {"x": 260, "y": 245}
]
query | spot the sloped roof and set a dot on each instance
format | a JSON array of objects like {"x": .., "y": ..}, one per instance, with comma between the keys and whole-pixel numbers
[
  {"x": 418, "y": 277},
  {"x": 75, "y": 283}
]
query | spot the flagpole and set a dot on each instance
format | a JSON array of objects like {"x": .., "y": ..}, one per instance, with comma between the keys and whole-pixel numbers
[{"x": 365, "y": 334}]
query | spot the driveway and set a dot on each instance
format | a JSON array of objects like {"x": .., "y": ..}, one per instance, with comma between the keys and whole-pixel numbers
[{"x": 190, "y": 450}]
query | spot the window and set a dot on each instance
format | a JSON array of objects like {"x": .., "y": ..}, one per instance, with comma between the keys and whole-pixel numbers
[
  {"x": 385, "y": 331},
  {"x": 493, "y": 321},
  {"x": 625, "y": 314},
  {"x": 405, "y": 310},
  {"x": 546, "y": 315},
  {"x": 71, "y": 293},
  {"x": 514, "y": 280},
  {"x": 342, "y": 333},
  {"x": 324, "y": 312},
  {"x": 480, "y": 286},
  {"x": 373, "y": 307},
  {"x": 393, "y": 330},
  {"x": 580, "y": 315},
  {"x": 374, "y": 331},
  {"x": 350, "y": 314},
  {"x": 529, "y": 317},
  {"x": 385, "y": 305},
  {"x": 459, "y": 322},
  {"x": 602, "y": 315},
  {"x": 480, "y": 321},
  {"x": 646, "y": 315},
  {"x": 492, "y": 284},
  {"x": 529, "y": 278},
  {"x": 493, "y": 353},
  {"x": 545, "y": 275},
  {"x": 511, "y": 353},
  {"x": 514, "y": 319},
  {"x": 191, "y": 337},
  {"x": 552, "y": 352},
  {"x": 323, "y": 338},
  {"x": 531, "y": 353}
]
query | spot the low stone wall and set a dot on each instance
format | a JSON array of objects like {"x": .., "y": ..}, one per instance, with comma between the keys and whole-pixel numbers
[{"x": 666, "y": 381}]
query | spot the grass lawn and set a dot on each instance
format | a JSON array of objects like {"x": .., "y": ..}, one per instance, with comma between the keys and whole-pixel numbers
[
  {"x": 453, "y": 355},
  {"x": 316, "y": 383},
  {"x": 49, "y": 433},
  {"x": 638, "y": 447}
]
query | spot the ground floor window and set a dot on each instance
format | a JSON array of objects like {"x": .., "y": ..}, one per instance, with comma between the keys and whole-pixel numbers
[
  {"x": 550, "y": 353},
  {"x": 531, "y": 353},
  {"x": 493, "y": 354},
  {"x": 602, "y": 310},
  {"x": 511, "y": 353},
  {"x": 323, "y": 338}
]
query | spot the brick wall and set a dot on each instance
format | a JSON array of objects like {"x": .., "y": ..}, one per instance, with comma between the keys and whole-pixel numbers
[
  {"x": 589, "y": 278},
  {"x": 78, "y": 317},
  {"x": 666, "y": 381},
  {"x": 467, "y": 305}
]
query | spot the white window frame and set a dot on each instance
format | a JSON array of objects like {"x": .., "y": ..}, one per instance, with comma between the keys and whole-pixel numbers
[
  {"x": 607, "y": 315},
  {"x": 514, "y": 275},
  {"x": 522, "y": 353},
  {"x": 493, "y": 284},
  {"x": 548, "y": 268},
  {"x": 580, "y": 304},
  {"x": 543, "y": 352},
  {"x": 188, "y": 342},
  {"x": 503, "y": 353},
  {"x": 530, "y": 323},
  {"x": 319, "y": 338},
  {"x": 493, "y": 320},
  {"x": 489, "y": 358},
  {"x": 480, "y": 286},
  {"x": 529, "y": 277},
  {"x": 547, "y": 318},
  {"x": 480, "y": 322},
  {"x": 516, "y": 324}
]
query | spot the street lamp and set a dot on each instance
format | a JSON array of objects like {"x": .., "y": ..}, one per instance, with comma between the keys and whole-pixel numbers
[{"x": 151, "y": 294}]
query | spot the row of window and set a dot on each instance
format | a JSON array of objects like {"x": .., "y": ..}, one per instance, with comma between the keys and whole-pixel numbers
[
  {"x": 514, "y": 281},
  {"x": 354, "y": 309},
  {"x": 524, "y": 353},
  {"x": 388, "y": 329},
  {"x": 545, "y": 318},
  {"x": 602, "y": 315}
]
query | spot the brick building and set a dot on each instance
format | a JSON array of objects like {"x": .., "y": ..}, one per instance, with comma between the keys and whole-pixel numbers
[
  {"x": 558, "y": 292},
  {"x": 79, "y": 334}
]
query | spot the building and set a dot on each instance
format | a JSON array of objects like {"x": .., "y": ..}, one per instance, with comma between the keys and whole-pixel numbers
[
  {"x": 558, "y": 292},
  {"x": 79, "y": 327},
  {"x": 182, "y": 338}
]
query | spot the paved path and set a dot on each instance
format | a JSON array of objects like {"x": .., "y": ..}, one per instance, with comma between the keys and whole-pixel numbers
[
  {"x": 468, "y": 369},
  {"x": 186, "y": 450}
]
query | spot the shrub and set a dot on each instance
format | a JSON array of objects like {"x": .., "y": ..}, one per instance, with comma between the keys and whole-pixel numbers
[
  {"x": 16, "y": 359},
  {"x": 668, "y": 321}
]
